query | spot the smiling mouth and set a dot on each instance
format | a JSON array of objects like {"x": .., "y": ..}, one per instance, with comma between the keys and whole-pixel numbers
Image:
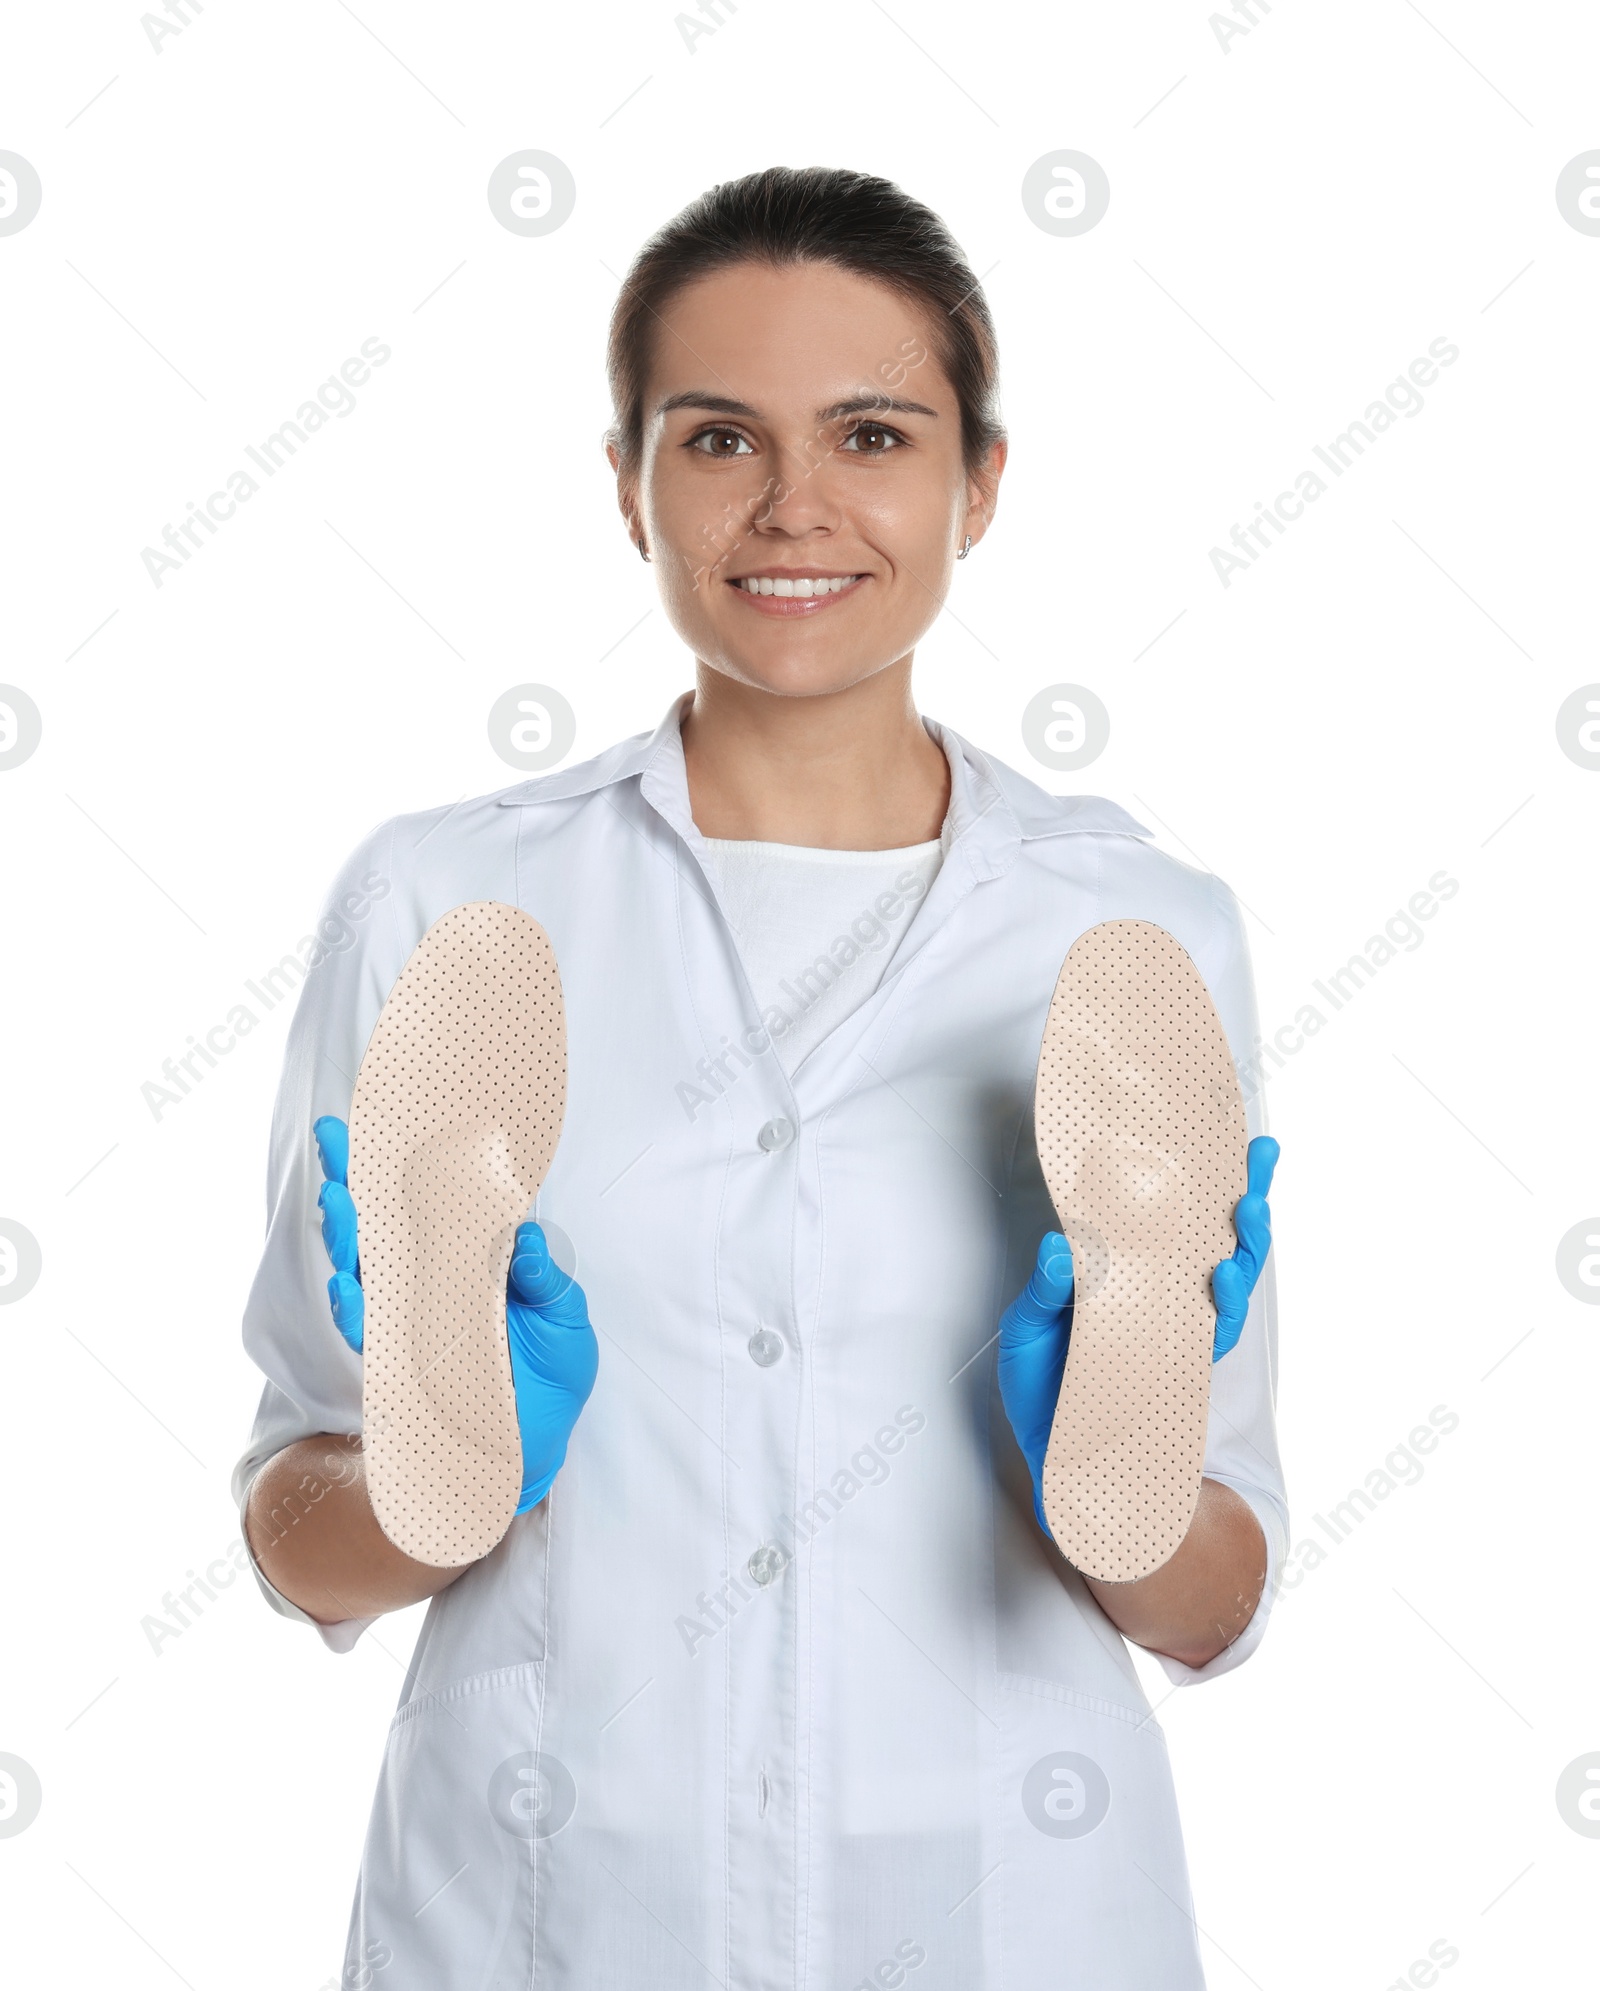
[
  {"x": 796, "y": 587},
  {"x": 791, "y": 597}
]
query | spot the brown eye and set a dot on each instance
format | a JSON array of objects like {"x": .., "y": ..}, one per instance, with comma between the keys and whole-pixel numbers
[
  {"x": 719, "y": 442},
  {"x": 872, "y": 439}
]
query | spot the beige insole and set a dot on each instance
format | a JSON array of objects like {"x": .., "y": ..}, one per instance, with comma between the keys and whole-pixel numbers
[
  {"x": 1142, "y": 1138},
  {"x": 457, "y": 1111}
]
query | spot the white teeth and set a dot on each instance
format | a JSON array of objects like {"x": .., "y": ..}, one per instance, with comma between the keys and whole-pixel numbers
[{"x": 768, "y": 584}]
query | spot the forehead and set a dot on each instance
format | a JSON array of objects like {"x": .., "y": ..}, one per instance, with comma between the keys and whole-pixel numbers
[{"x": 793, "y": 338}]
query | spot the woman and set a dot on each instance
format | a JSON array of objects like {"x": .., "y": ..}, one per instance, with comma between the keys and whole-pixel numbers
[{"x": 776, "y": 1681}]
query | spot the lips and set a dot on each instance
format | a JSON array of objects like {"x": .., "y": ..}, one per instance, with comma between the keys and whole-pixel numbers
[{"x": 792, "y": 597}]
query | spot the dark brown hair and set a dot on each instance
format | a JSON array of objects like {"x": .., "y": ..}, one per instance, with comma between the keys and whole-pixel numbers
[{"x": 811, "y": 214}]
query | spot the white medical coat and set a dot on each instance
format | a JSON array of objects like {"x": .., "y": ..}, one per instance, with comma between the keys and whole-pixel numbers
[{"x": 753, "y": 1698}]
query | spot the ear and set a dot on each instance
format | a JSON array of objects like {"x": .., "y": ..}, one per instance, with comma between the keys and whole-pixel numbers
[
  {"x": 627, "y": 492},
  {"x": 983, "y": 492}
]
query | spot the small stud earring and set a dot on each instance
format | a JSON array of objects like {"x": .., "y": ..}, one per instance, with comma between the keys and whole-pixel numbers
[{"x": 966, "y": 547}]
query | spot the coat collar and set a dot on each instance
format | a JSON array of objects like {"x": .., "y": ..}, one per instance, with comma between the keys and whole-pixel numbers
[{"x": 993, "y": 809}]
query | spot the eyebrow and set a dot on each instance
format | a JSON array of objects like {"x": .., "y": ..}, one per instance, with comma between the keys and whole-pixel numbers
[{"x": 856, "y": 404}]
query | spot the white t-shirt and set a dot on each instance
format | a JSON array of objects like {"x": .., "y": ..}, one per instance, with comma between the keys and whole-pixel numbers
[{"x": 816, "y": 929}]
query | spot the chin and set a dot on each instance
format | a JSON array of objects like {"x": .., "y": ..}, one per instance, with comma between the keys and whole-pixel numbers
[{"x": 798, "y": 677}]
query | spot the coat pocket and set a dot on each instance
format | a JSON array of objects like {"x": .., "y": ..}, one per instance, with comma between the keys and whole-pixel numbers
[
  {"x": 1095, "y": 1886},
  {"x": 449, "y": 1890}
]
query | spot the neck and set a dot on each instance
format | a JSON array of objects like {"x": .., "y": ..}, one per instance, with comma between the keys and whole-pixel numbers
[{"x": 845, "y": 770}]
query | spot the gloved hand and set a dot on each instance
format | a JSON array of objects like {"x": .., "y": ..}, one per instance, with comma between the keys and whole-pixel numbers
[
  {"x": 554, "y": 1353},
  {"x": 1235, "y": 1278},
  {"x": 1036, "y": 1327}
]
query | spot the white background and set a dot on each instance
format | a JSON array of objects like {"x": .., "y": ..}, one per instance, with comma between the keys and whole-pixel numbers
[{"x": 1293, "y": 222}]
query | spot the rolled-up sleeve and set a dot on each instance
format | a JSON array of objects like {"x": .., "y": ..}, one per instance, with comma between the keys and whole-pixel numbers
[
  {"x": 345, "y": 970},
  {"x": 1241, "y": 1438}
]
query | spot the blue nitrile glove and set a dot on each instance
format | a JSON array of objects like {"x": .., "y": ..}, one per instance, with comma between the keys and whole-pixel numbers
[
  {"x": 554, "y": 1353},
  {"x": 1034, "y": 1331},
  {"x": 554, "y": 1356},
  {"x": 1235, "y": 1278},
  {"x": 1036, "y": 1327}
]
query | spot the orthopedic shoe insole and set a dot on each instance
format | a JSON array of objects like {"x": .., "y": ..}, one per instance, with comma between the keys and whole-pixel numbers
[
  {"x": 1142, "y": 1138},
  {"x": 457, "y": 1111}
]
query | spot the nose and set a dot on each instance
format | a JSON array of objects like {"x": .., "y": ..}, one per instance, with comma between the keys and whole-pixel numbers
[{"x": 801, "y": 497}]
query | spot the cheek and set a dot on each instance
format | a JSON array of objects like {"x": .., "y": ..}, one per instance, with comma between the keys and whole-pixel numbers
[
  {"x": 690, "y": 587},
  {"x": 919, "y": 497},
  {"x": 704, "y": 517}
]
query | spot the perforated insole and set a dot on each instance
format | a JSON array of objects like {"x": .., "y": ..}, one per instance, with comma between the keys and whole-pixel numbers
[
  {"x": 1142, "y": 1138},
  {"x": 457, "y": 1110}
]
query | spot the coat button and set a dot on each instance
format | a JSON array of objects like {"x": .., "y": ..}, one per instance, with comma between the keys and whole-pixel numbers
[
  {"x": 775, "y": 1134},
  {"x": 765, "y": 1347},
  {"x": 767, "y": 1563}
]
